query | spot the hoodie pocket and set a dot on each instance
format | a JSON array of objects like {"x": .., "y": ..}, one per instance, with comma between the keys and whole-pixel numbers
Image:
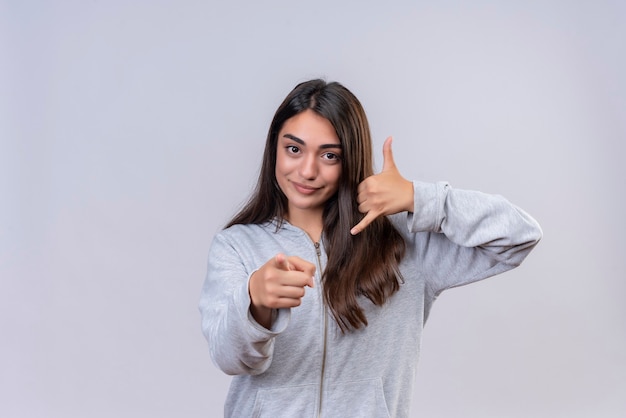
[
  {"x": 292, "y": 401},
  {"x": 361, "y": 398}
]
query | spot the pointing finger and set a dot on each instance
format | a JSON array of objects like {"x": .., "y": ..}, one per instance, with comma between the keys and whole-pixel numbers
[{"x": 281, "y": 262}]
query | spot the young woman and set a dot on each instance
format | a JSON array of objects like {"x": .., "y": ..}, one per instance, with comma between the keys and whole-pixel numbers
[{"x": 318, "y": 289}]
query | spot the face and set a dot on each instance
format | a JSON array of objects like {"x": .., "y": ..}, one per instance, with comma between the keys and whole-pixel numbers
[{"x": 308, "y": 163}]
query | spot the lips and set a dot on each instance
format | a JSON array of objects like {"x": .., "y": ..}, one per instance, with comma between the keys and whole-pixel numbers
[{"x": 304, "y": 189}]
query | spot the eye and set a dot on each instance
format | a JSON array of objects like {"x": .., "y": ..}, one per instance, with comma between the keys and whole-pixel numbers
[
  {"x": 292, "y": 149},
  {"x": 331, "y": 156}
]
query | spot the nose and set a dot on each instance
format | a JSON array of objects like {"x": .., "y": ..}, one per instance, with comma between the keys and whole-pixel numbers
[{"x": 308, "y": 167}]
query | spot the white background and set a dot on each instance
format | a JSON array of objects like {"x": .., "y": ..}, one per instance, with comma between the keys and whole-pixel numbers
[{"x": 132, "y": 130}]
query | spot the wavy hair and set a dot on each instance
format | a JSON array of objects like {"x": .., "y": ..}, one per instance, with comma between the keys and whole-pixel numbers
[{"x": 365, "y": 264}]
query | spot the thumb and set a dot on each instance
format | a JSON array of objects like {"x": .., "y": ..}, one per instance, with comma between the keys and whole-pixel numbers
[{"x": 388, "y": 161}]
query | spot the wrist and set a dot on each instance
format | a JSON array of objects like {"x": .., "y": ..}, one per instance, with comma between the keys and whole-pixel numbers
[
  {"x": 410, "y": 196},
  {"x": 260, "y": 313}
]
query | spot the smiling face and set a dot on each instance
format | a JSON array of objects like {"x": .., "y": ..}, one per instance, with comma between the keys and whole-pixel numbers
[{"x": 308, "y": 165}]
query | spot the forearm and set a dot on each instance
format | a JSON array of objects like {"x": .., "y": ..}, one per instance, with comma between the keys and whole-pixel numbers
[
  {"x": 474, "y": 219},
  {"x": 238, "y": 343}
]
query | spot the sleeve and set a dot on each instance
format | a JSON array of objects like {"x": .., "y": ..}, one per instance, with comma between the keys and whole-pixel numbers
[
  {"x": 472, "y": 235},
  {"x": 237, "y": 343}
]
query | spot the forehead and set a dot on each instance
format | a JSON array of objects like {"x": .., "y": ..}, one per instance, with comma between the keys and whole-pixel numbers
[{"x": 310, "y": 128}]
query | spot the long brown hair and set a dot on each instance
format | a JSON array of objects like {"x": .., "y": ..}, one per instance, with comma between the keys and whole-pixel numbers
[{"x": 365, "y": 264}]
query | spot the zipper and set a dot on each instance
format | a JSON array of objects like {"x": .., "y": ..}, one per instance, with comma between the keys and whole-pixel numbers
[{"x": 319, "y": 266}]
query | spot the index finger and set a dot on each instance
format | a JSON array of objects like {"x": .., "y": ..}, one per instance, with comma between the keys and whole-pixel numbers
[
  {"x": 300, "y": 264},
  {"x": 280, "y": 261}
]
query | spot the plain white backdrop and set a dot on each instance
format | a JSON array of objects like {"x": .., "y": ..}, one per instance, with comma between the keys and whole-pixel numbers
[{"x": 130, "y": 131}]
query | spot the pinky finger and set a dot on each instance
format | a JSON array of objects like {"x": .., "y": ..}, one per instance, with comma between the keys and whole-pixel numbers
[{"x": 368, "y": 219}]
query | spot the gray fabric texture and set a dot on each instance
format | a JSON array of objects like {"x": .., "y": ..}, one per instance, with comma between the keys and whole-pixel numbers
[{"x": 304, "y": 366}]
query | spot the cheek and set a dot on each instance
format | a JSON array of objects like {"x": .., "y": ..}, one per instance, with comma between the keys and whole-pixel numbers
[
  {"x": 282, "y": 171},
  {"x": 280, "y": 165},
  {"x": 335, "y": 176},
  {"x": 284, "y": 164}
]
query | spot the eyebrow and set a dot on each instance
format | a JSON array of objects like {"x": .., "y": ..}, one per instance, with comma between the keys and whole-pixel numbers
[{"x": 301, "y": 142}]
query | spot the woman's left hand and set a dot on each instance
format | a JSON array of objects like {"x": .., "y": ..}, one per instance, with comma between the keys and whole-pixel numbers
[{"x": 384, "y": 193}]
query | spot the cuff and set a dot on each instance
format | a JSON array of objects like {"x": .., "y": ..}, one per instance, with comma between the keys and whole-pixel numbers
[
  {"x": 280, "y": 317},
  {"x": 429, "y": 201}
]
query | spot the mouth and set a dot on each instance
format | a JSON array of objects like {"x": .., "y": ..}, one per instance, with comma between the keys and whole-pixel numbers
[{"x": 304, "y": 189}]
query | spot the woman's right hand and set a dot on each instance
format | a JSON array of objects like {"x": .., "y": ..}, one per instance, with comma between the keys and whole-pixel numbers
[{"x": 279, "y": 283}]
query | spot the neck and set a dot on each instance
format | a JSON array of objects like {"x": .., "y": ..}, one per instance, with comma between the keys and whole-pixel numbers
[{"x": 311, "y": 223}]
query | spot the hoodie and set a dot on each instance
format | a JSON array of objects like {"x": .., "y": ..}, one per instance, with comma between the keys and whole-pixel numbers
[{"x": 304, "y": 366}]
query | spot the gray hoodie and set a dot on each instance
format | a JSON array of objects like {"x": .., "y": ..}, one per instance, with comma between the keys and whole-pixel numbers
[{"x": 304, "y": 366}]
